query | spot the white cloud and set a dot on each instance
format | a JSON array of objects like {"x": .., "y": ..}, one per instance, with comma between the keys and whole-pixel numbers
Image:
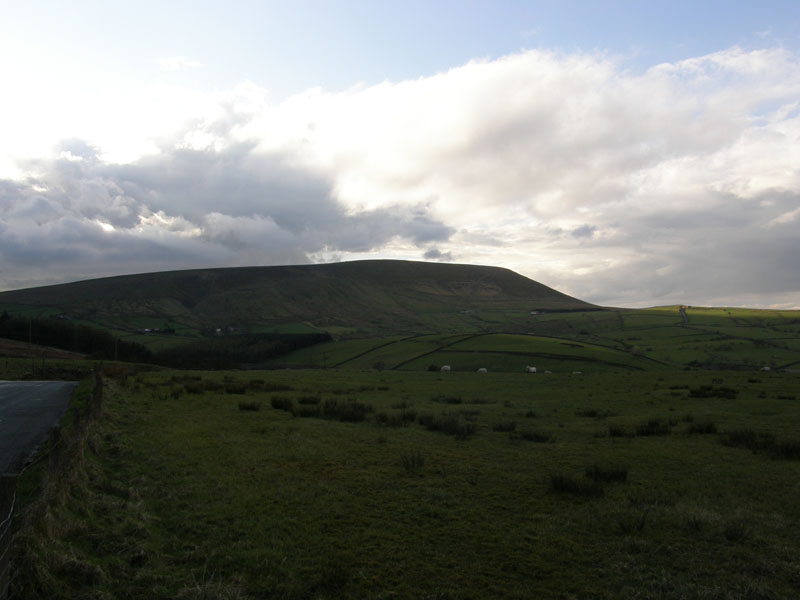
[{"x": 616, "y": 187}]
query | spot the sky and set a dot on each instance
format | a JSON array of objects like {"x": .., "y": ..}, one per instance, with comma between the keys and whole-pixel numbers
[{"x": 626, "y": 153}]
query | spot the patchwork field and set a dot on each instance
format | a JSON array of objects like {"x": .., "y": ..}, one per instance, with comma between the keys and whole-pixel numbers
[
  {"x": 344, "y": 483},
  {"x": 622, "y": 340}
]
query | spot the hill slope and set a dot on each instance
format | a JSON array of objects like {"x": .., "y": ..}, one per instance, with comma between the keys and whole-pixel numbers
[{"x": 380, "y": 296}]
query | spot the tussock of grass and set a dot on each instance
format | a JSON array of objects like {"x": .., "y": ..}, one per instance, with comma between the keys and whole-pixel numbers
[
  {"x": 632, "y": 521},
  {"x": 306, "y": 412},
  {"x": 763, "y": 442},
  {"x": 444, "y": 399},
  {"x": 653, "y": 427},
  {"x": 389, "y": 420},
  {"x": 702, "y": 428},
  {"x": 349, "y": 411},
  {"x": 593, "y": 413},
  {"x": 452, "y": 424},
  {"x": 412, "y": 461},
  {"x": 276, "y": 387},
  {"x": 185, "y": 378},
  {"x": 309, "y": 400},
  {"x": 408, "y": 415},
  {"x": 564, "y": 484},
  {"x": 281, "y": 403},
  {"x": 617, "y": 431},
  {"x": 504, "y": 426},
  {"x": 255, "y": 385},
  {"x": 480, "y": 401},
  {"x": 249, "y": 405},
  {"x": 787, "y": 450},
  {"x": 402, "y": 419},
  {"x": 531, "y": 436},
  {"x": 750, "y": 439},
  {"x": 212, "y": 385},
  {"x": 194, "y": 388},
  {"x": 709, "y": 391},
  {"x": 607, "y": 473},
  {"x": 737, "y": 530}
]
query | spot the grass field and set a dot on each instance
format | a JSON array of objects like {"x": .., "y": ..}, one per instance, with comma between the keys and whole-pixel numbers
[
  {"x": 365, "y": 484},
  {"x": 648, "y": 339}
]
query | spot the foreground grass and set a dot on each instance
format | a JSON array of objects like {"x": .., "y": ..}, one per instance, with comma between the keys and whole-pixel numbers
[{"x": 213, "y": 485}]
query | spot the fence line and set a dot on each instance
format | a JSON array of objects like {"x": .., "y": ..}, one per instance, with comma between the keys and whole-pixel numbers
[
  {"x": 58, "y": 455},
  {"x": 8, "y": 498}
]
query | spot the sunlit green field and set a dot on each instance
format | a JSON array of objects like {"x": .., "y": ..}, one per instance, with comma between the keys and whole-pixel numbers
[{"x": 620, "y": 484}]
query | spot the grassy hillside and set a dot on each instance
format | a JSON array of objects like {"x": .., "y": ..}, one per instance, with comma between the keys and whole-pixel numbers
[
  {"x": 360, "y": 297},
  {"x": 409, "y": 316},
  {"x": 376, "y": 485}
]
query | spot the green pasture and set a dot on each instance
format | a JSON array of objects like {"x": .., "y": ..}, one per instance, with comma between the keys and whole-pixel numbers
[
  {"x": 502, "y": 362},
  {"x": 609, "y": 340},
  {"x": 287, "y": 328},
  {"x": 329, "y": 354},
  {"x": 608, "y": 485},
  {"x": 400, "y": 352},
  {"x": 605, "y": 340},
  {"x": 526, "y": 347},
  {"x": 28, "y": 311}
]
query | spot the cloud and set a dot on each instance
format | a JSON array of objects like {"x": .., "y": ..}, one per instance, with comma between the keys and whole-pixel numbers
[
  {"x": 177, "y": 63},
  {"x": 677, "y": 184},
  {"x": 183, "y": 208},
  {"x": 584, "y": 231},
  {"x": 436, "y": 254},
  {"x": 785, "y": 218}
]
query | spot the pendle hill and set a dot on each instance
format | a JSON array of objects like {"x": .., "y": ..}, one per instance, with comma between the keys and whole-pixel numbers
[
  {"x": 374, "y": 297},
  {"x": 385, "y": 314}
]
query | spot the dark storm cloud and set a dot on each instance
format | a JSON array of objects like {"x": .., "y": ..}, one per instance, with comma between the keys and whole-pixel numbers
[{"x": 79, "y": 216}]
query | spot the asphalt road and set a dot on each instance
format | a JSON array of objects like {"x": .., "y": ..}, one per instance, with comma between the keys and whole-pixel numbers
[{"x": 28, "y": 410}]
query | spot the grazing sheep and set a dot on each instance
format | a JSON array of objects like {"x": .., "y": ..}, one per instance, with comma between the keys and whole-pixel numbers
[
  {"x": 482, "y": 370},
  {"x": 529, "y": 369},
  {"x": 445, "y": 369}
]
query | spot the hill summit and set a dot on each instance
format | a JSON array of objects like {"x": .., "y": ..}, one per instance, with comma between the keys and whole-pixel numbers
[{"x": 371, "y": 296}]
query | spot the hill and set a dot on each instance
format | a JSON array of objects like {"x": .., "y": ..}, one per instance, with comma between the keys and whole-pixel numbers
[{"x": 351, "y": 298}]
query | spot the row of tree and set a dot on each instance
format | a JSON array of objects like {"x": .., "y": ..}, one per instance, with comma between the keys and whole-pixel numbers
[
  {"x": 217, "y": 352},
  {"x": 65, "y": 335},
  {"x": 236, "y": 351}
]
